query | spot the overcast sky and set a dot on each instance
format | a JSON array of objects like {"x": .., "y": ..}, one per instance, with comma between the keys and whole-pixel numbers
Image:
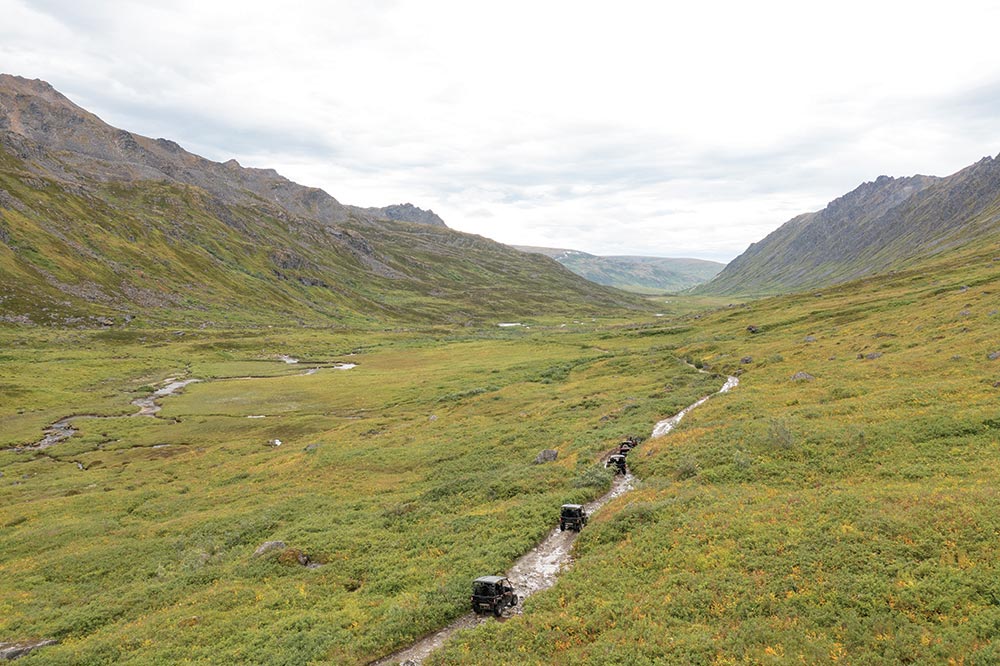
[{"x": 618, "y": 127}]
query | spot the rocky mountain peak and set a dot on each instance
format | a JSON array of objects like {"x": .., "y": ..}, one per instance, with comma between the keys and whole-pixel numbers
[{"x": 405, "y": 212}]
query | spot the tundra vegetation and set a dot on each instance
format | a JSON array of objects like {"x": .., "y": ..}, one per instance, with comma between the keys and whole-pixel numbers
[
  {"x": 850, "y": 517},
  {"x": 853, "y": 517}
]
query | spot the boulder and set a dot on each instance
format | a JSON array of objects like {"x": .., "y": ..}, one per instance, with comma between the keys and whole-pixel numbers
[
  {"x": 802, "y": 377},
  {"x": 545, "y": 455},
  {"x": 269, "y": 547},
  {"x": 746, "y": 360},
  {"x": 993, "y": 355},
  {"x": 753, "y": 329}
]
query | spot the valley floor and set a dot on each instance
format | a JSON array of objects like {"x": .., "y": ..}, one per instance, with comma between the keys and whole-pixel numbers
[{"x": 839, "y": 505}]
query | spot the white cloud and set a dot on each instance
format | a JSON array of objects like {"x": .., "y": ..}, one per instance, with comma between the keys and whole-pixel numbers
[{"x": 632, "y": 127}]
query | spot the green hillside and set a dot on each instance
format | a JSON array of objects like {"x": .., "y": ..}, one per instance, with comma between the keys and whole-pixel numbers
[
  {"x": 157, "y": 252},
  {"x": 644, "y": 275},
  {"x": 102, "y": 226}
]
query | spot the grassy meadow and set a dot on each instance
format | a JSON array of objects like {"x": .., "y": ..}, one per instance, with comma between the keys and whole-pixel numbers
[{"x": 405, "y": 477}]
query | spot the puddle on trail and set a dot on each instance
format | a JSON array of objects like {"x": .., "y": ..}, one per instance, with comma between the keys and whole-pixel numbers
[{"x": 540, "y": 567}]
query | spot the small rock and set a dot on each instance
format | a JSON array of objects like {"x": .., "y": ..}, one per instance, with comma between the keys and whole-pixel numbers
[
  {"x": 274, "y": 442},
  {"x": 809, "y": 338},
  {"x": 545, "y": 455},
  {"x": 753, "y": 329},
  {"x": 269, "y": 546},
  {"x": 432, "y": 417},
  {"x": 965, "y": 287},
  {"x": 802, "y": 377},
  {"x": 993, "y": 355},
  {"x": 964, "y": 313},
  {"x": 311, "y": 448},
  {"x": 873, "y": 356},
  {"x": 746, "y": 360},
  {"x": 10, "y": 651}
]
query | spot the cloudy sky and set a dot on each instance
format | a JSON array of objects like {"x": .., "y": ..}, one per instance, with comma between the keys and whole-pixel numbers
[{"x": 625, "y": 127}]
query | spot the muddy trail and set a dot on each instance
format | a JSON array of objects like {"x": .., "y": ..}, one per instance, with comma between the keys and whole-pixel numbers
[{"x": 540, "y": 567}]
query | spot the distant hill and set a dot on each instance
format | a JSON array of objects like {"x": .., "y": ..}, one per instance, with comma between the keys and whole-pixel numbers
[
  {"x": 882, "y": 225},
  {"x": 637, "y": 274},
  {"x": 100, "y": 224}
]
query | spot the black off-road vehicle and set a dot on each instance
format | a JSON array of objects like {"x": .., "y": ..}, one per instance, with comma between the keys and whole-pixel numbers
[
  {"x": 572, "y": 517},
  {"x": 492, "y": 594},
  {"x": 628, "y": 444},
  {"x": 617, "y": 462}
]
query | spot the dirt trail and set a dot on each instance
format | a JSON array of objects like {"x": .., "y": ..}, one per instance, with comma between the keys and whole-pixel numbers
[{"x": 540, "y": 567}]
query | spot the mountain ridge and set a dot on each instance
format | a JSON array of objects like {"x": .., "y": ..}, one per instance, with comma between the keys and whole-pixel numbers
[
  {"x": 881, "y": 225},
  {"x": 633, "y": 272},
  {"x": 86, "y": 209}
]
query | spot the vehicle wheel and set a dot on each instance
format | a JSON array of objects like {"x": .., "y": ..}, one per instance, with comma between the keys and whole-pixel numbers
[
  {"x": 497, "y": 610},
  {"x": 562, "y": 527}
]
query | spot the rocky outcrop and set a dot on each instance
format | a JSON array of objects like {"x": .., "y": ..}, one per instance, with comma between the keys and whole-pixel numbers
[
  {"x": 544, "y": 456},
  {"x": 269, "y": 547},
  {"x": 17, "y": 649},
  {"x": 406, "y": 212}
]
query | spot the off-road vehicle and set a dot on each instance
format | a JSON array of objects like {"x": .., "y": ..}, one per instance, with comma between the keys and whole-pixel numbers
[
  {"x": 617, "y": 462},
  {"x": 572, "y": 517},
  {"x": 492, "y": 594}
]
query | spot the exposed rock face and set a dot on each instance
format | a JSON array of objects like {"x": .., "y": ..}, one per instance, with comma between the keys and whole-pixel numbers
[
  {"x": 544, "y": 456},
  {"x": 406, "y": 212}
]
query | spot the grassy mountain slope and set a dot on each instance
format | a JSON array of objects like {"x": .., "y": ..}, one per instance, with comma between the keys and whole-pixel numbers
[
  {"x": 846, "y": 516},
  {"x": 884, "y": 225},
  {"x": 97, "y": 226},
  {"x": 648, "y": 275}
]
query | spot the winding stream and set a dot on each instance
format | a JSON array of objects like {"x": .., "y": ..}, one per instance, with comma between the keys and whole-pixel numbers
[
  {"x": 149, "y": 406},
  {"x": 539, "y": 568}
]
